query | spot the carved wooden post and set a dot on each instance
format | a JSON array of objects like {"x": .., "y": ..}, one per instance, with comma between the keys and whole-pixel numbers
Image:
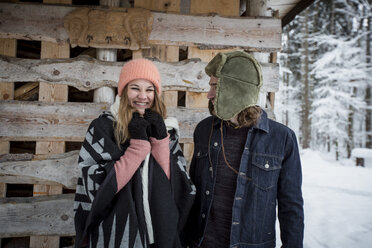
[{"x": 106, "y": 94}]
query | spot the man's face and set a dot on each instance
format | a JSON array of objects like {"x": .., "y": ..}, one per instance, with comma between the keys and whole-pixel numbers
[
  {"x": 212, "y": 94},
  {"x": 212, "y": 91}
]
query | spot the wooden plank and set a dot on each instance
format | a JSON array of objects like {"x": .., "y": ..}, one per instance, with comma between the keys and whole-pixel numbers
[
  {"x": 170, "y": 98},
  {"x": 86, "y": 73},
  {"x": 204, "y": 55},
  {"x": 50, "y": 93},
  {"x": 36, "y": 121},
  {"x": 58, "y": 1},
  {"x": 27, "y": 121},
  {"x": 8, "y": 47},
  {"x": 227, "y": 7},
  {"x": 196, "y": 100},
  {"x": 56, "y": 169},
  {"x": 215, "y": 32},
  {"x": 45, "y": 22},
  {"x": 44, "y": 215},
  {"x": 162, "y": 53},
  {"x": 24, "y": 89},
  {"x": 160, "y": 5},
  {"x": 188, "y": 150}
]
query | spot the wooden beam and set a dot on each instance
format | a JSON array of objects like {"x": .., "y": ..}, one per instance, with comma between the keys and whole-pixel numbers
[
  {"x": 55, "y": 170},
  {"x": 45, "y": 22},
  {"x": 8, "y": 47},
  {"x": 20, "y": 92},
  {"x": 86, "y": 73},
  {"x": 43, "y": 215},
  {"x": 222, "y": 7},
  {"x": 36, "y": 121},
  {"x": 301, "y": 5},
  {"x": 160, "y": 5},
  {"x": 50, "y": 93}
]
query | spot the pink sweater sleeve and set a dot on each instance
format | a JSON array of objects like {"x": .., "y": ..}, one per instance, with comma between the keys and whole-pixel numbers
[
  {"x": 127, "y": 165},
  {"x": 160, "y": 151}
]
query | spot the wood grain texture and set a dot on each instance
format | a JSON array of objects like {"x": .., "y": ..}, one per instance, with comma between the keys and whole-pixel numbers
[
  {"x": 43, "y": 215},
  {"x": 56, "y": 170},
  {"x": 227, "y": 7},
  {"x": 86, "y": 73},
  {"x": 45, "y": 22},
  {"x": 8, "y": 47},
  {"x": 36, "y": 121}
]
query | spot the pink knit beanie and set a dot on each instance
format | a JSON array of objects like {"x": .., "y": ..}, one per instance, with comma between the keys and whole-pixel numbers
[{"x": 139, "y": 68}]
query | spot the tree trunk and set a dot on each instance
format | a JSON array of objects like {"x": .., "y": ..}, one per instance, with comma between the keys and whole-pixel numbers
[
  {"x": 332, "y": 22},
  {"x": 306, "y": 122},
  {"x": 350, "y": 132},
  {"x": 328, "y": 144},
  {"x": 368, "y": 89}
]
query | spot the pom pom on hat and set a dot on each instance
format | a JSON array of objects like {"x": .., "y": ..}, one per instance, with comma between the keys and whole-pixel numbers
[{"x": 139, "y": 69}]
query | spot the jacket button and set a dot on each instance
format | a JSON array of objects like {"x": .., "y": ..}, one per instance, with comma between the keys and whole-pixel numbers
[
  {"x": 198, "y": 154},
  {"x": 203, "y": 216},
  {"x": 207, "y": 192},
  {"x": 215, "y": 144},
  {"x": 267, "y": 166},
  {"x": 210, "y": 168}
]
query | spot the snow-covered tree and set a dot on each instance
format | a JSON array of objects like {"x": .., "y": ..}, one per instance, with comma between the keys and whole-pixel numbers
[
  {"x": 331, "y": 40},
  {"x": 339, "y": 72}
]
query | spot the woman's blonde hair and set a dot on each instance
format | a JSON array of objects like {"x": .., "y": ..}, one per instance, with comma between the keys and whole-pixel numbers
[{"x": 126, "y": 111}]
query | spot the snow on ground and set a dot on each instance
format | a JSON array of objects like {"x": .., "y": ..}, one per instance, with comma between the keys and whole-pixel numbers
[{"x": 338, "y": 202}]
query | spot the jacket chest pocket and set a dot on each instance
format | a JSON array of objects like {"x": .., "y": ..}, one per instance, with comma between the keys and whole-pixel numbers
[
  {"x": 265, "y": 170},
  {"x": 201, "y": 160}
]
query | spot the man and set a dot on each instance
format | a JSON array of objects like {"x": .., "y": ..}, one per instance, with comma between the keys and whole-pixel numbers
[{"x": 243, "y": 165}]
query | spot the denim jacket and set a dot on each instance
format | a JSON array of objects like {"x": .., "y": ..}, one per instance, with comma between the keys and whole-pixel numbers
[{"x": 269, "y": 174}]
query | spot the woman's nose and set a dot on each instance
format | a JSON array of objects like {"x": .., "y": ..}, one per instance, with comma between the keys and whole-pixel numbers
[{"x": 142, "y": 95}]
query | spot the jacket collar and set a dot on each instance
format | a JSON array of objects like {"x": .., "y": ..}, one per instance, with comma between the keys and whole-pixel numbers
[{"x": 263, "y": 123}]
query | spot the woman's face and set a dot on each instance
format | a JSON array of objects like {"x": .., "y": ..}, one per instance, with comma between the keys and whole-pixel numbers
[{"x": 141, "y": 93}]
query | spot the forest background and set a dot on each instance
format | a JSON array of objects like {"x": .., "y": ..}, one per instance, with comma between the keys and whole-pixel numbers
[{"x": 326, "y": 76}]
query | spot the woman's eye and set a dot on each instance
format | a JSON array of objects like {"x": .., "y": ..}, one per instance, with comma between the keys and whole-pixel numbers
[
  {"x": 134, "y": 88},
  {"x": 150, "y": 90}
]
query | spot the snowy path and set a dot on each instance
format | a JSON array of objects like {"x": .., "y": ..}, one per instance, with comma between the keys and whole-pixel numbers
[{"x": 338, "y": 203}]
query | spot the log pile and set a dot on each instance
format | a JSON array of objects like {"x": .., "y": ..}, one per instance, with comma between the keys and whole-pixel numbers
[{"x": 35, "y": 105}]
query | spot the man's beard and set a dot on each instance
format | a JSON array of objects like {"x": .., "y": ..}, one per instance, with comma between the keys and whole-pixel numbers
[{"x": 211, "y": 108}]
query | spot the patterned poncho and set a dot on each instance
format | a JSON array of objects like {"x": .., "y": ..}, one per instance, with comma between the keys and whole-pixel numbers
[{"x": 107, "y": 218}]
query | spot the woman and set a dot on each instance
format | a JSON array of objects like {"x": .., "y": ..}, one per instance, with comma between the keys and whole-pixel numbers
[{"x": 133, "y": 190}]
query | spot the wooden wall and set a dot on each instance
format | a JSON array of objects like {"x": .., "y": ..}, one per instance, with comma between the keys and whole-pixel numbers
[{"x": 40, "y": 136}]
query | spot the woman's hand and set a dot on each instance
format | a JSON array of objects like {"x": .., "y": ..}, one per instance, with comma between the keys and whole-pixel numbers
[
  {"x": 157, "y": 125},
  {"x": 138, "y": 126}
]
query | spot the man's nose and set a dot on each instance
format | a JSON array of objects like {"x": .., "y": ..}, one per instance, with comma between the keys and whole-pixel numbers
[{"x": 211, "y": 94}]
